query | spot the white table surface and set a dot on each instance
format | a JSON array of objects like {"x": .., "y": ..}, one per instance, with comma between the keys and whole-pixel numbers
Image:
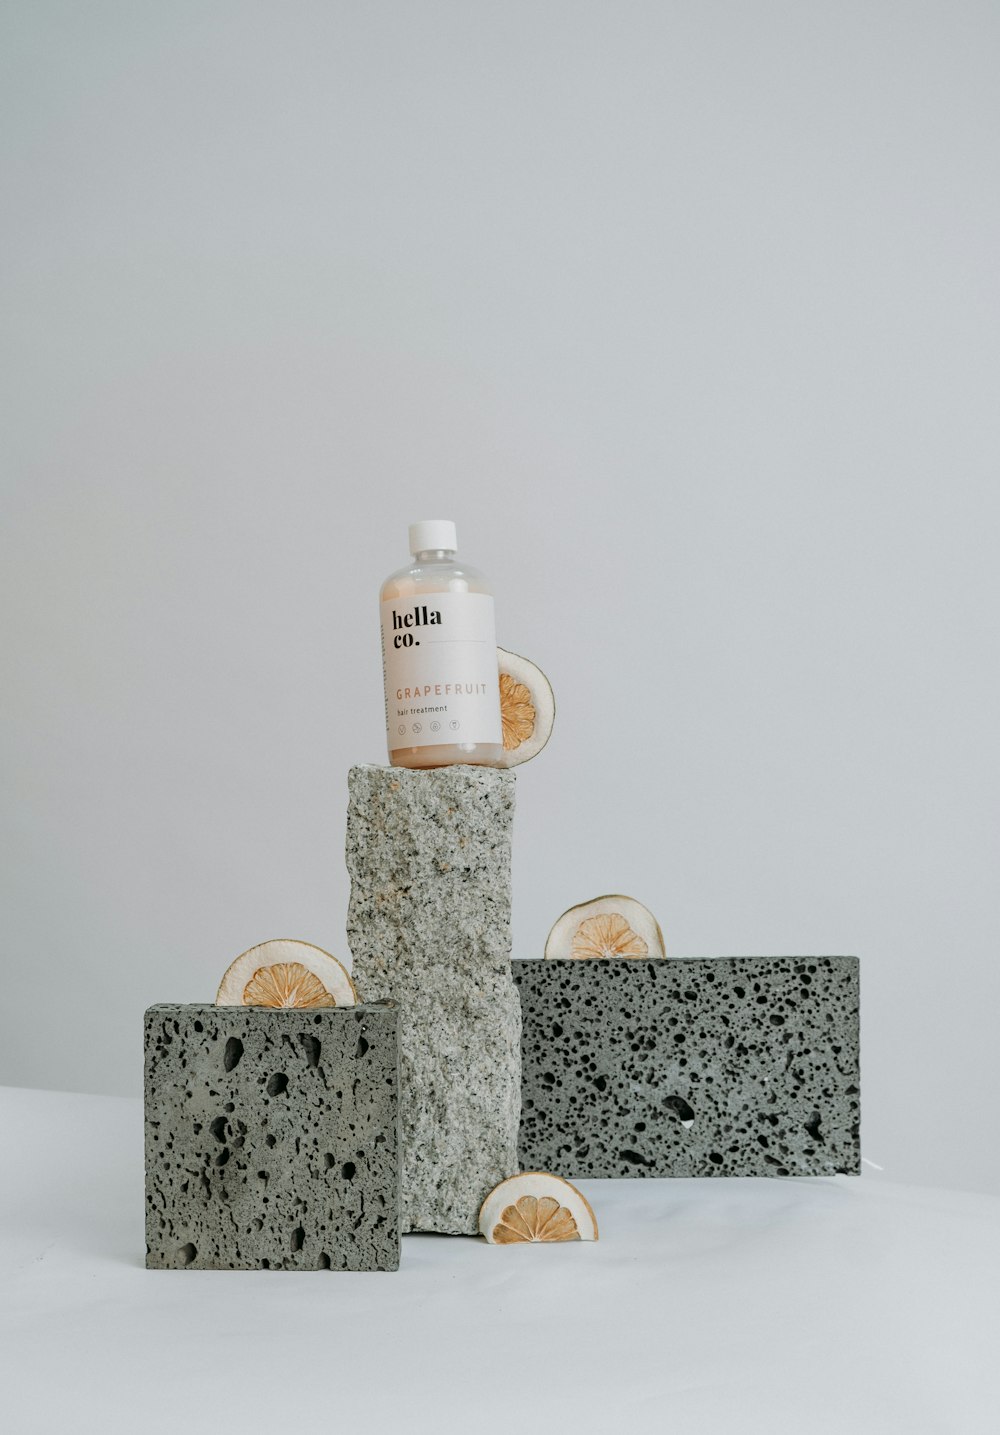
[{"x": 707, "y": 1305}]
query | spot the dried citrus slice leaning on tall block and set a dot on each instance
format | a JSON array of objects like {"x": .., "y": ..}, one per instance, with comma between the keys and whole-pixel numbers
[
  {"x": 536, "y": 1206},
  {"x": 611, "y": 926},
  {"x": 527, "y": 708},
  {"x": 286, "y": 974}
]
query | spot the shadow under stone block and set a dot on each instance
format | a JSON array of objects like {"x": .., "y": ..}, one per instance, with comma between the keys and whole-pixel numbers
[
  {"x": 272, "y": 1138},
  {"x": 726, "y": 1066}
]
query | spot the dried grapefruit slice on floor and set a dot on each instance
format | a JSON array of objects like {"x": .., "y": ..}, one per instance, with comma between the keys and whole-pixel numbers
[
  {"x": 611, "y": 926},
  {"x": 536, "y": 1206},
  {"x": 527, "y": 708},
  {"x": 286, "y": 974}
]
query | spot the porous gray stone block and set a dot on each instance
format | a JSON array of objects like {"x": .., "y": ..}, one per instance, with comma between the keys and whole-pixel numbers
[
  {"x": 272, "y": 1138},
  {"x": 428, "y": 925},
  {"x": 729, "y": 1066}
]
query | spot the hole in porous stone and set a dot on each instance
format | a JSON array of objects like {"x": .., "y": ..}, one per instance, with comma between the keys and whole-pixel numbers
[
  {"x": 812, "y": 1126},
  {"x": 277, "y": 1084},
  {"x": 312, "y": 1048},
  {"x": 186, "y": 1254},
  {"x": 222, "y": 1157},
  {"x": 715, "y": 1158},
  {"x": 681, "y": 1109},
  {"x": 270, "y": 1139},
  {"x": 298, "y": 1236},
  {"x": 233, "y": 1052},
  {"x": 218, "y": 1128},
  {"x": 348, "y": 1170},
  {"x": 198, "y": 1026},
  {"x": 324, "y": 1262},
  {"x": 634, "y": 1159},
  {"x": 265, "y": 1264},
  {"x": 361, "y": 1047},
  {"x": 328, "y": 1160}
]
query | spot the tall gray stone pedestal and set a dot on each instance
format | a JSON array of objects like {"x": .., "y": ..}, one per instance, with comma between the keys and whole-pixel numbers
[{"x": 429, "y": 927}]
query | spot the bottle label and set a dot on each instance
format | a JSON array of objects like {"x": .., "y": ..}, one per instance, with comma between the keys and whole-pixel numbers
[{"x": 439, "y": 657}]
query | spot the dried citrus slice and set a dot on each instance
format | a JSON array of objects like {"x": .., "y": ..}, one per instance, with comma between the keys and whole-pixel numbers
[
  {"x": 536, "y": 1206},
  {"x": 286, "y": 974},
  {"x": 527, "y": 708},
  {"x": 612, "y": 926}
]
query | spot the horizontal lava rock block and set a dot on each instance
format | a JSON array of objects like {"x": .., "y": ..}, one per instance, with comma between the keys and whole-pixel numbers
[
  {"x": 272, "y": 1138},
  {"x": 726, "y": 1066}
]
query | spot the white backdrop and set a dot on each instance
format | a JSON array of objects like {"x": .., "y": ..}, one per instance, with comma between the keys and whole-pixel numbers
[{"x": 687, "y": 314}]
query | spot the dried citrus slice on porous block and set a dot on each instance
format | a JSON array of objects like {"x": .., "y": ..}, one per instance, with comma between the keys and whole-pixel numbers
[
  {"x": 527, "y": 708},
  {"x": 611, "y": 926},
  {"x": 286, "y": 974},
  {"x": 536, "y": 1206}
]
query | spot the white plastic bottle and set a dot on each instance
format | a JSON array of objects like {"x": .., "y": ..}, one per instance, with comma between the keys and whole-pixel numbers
[{"x": 439, "y": 657}]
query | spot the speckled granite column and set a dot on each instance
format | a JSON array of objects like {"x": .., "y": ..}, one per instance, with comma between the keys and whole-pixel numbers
[{"x": 429, "y": 926}]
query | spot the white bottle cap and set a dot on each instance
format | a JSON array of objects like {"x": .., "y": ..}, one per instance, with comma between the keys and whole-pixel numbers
[{"x": 433, "y": 533}]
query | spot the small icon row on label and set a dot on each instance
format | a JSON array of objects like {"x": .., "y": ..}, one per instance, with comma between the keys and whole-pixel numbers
[{"x": 435, "y": 726}]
